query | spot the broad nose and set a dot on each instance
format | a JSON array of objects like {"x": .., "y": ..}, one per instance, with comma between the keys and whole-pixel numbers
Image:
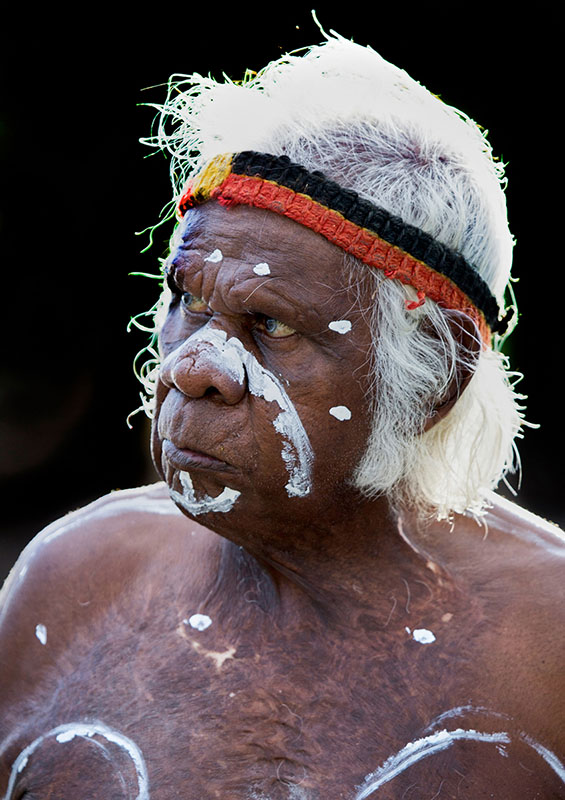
[{"x": 207, "y": 363}]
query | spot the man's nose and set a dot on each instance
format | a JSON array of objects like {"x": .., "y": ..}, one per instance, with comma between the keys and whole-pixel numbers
[{"x": 206, "y": 364}]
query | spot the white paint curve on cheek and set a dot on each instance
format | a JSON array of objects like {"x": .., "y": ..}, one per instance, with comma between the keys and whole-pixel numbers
[
  {"x": 262, "y": 269},
  {"x": 215, "y": 257},
  {"x": 66, "y": 733},
  {"x": 423, "y": 748},
  {"x": 340, "y": 412},
  {"x": 198, "y": 621},
  {"x": 297, "y": 452},
  {"x": 340, "y": 325},
  {"x": 206, "y": 504},
  {"x": 41, "y": 633}
]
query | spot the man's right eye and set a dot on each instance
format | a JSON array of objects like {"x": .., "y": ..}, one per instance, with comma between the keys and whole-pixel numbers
[{"x": 190, "y": 302}]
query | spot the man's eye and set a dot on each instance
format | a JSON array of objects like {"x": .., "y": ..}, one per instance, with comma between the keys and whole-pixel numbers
[
  {"x": 275, "y": 329},
  {"x": 192, "y": 303}
]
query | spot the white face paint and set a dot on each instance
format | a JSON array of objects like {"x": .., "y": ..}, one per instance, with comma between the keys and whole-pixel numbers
[
  {"x": 206, "y": 504},
  {"x": 297, "y": 452},
  {"x": 41, "y": 633},
  {"x": 198, "y": 621},
  {"x": 262, "y": 269},
  {"x": 66, "y": 733},
  {"x": 340, "y": 412},
  {"x": 215, "y": 257},
  {"x": 340, "y": 325}
]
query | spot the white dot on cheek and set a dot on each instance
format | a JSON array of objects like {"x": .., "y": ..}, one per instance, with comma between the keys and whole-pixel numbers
[
  {"x": 340, "y": 412},
  {"x": 340, "y": 325},
  {"x": 262, "y": 269}
]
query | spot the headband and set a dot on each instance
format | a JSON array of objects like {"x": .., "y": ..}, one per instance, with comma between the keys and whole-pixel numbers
[{"x": 369, "y": 233}]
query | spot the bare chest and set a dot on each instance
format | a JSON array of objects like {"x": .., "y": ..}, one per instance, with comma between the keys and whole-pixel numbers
[{"x": 199, "y": 713}]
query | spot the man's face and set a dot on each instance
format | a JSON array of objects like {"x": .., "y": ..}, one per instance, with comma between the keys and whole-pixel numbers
[{"x": 261, "y": 400}]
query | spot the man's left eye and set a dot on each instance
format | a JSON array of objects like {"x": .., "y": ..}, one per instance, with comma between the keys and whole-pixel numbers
[
  {"x": 275, "y": 328},
  {"x": 192, "y": 303}
]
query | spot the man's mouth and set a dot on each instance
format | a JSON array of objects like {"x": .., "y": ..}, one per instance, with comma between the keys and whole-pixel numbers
[{"x": 187, "y": 459}]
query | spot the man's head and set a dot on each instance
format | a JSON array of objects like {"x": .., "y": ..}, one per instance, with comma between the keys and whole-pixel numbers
[{"x": 343, "y": 110}]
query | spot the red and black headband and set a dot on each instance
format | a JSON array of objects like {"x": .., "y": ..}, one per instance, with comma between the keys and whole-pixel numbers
[{"x": 369, "y": 233}]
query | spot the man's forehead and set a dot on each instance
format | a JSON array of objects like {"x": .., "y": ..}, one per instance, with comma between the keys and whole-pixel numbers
[
  {"x": 247, "y": 232},
  {"x": 259, "y": 257}
]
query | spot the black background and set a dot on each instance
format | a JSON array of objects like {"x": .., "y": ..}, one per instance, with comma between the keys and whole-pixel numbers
[{"x": 77, "y": 185}]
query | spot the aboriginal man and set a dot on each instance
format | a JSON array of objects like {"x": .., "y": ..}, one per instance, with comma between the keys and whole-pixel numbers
[{"x": 324, "y": 598}]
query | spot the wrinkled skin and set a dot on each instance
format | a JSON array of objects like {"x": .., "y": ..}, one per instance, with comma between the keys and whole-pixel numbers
[{"x": 313, "y": 669}]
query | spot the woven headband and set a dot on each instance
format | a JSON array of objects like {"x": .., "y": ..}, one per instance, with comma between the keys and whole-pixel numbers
[{"x": 371, "y": 234}]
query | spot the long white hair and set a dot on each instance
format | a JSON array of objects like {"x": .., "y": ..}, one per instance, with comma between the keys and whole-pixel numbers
[{"x": 342, "y": 109}]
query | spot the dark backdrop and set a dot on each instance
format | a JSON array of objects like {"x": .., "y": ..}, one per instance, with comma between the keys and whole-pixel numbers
[{"x": 76, "y": 186}]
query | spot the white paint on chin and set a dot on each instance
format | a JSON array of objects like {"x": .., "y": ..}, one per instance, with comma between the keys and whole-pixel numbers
[
  {"x": 215, "y": 257},
  {"x": 262, "y": 269},
  {"x": 66, "y": 733},
  {"x": 41, "y": 633},
  {"x": 297, "y": 452},
  {"x": 340, "y": 412},
  {"x": 340, "y": 325},
  {"x": 206, "y": 504}
]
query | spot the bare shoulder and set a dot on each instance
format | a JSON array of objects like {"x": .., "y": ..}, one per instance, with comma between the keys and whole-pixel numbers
[
  {"x": 137, "y": 525},
  {"x": 120, "y": 550},
  {"x": 516, "y": 542}
]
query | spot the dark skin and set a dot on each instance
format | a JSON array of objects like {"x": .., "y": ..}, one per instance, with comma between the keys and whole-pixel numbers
[{"x": 310, "y": 674}]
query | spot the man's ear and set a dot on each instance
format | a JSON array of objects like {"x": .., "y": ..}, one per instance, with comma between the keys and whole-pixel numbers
[{"x": 469, "y": 344}]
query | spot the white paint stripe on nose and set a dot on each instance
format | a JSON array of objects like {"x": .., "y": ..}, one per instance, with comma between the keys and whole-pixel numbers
[{"x": 297, "y": 451}]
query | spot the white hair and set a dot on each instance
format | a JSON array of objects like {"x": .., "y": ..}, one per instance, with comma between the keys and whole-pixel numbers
[{"x": 342, "y": 109}]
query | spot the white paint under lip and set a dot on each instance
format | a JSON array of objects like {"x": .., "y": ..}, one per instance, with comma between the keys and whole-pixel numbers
[
  {"x": 41, "y": 633},
  {"x": 340, "y": 325},
  {"x": 206, "y": 504},
  {"x": 215, "y": 257},
  {"x": 340, "y": 412},
  {"x": 66, "y": 733},
  {"x": 198, "y": 621},
  {"x": 297, "y": 451},
  {"x": 262, "y": 269}
]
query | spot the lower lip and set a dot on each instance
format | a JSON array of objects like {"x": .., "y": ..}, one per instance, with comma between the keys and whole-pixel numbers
[{"x": 191, "y": 459}]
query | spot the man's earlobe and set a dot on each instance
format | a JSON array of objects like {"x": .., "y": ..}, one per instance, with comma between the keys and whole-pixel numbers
[{"x": 469, "y": 344}]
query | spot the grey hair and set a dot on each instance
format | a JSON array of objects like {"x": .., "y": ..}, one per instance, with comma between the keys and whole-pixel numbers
[{"x": 342, "y": 109}]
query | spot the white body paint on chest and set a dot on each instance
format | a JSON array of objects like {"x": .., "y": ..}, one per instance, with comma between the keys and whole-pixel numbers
[
  {"x": 41, "y": 633},
  {"x": 198, "y": 621},
  {"x": 66, "y": 733},
  {"x": 421, "y": 635},
  {"x": 297, "y": 452},
  {"x": 422, "y": 748}
]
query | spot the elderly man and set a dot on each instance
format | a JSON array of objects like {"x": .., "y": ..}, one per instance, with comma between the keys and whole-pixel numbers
[{"x": 323, "y": 599}]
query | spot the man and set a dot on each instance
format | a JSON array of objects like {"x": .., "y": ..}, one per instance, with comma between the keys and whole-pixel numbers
[{"x": 334, "y": 604}]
